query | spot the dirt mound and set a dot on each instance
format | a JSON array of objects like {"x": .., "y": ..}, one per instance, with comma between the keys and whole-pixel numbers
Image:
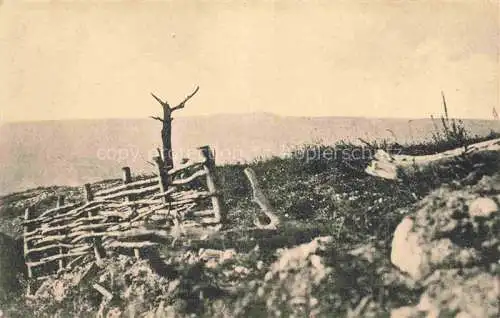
[
  {"x": 11, "y": 267},
  {"x": 450, "y": 246}
]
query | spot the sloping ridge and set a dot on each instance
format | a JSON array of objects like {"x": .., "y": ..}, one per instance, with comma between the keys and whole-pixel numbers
[{"x": 73, "y": 152}]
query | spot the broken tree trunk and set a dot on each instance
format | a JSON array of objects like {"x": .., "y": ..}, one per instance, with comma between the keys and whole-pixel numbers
[
  {"x": 387, "y": 166},
  {"x": 166, "y": 131},
  {"x": 96, "y": 242}
]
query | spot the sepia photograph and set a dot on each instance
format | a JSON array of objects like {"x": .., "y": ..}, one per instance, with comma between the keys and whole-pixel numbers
[{"x": 237, "y": 158}]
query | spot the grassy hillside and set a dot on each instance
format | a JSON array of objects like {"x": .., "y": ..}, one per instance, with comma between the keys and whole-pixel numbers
[
  {"x": 318, "y": 190},
  {"x": 74, "y": 152}
]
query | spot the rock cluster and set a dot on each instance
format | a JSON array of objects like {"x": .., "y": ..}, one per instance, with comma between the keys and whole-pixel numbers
[
  {"x": 288, "y": 284},
  {"x": 450, "y": 246}
]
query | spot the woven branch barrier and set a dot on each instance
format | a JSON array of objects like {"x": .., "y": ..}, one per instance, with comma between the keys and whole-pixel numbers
[{"x": 132, "y": 216}]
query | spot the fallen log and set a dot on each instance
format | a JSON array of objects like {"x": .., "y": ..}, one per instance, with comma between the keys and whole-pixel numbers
[
  {"x": 387, "y": 166},
  {"x": 261, "y": 200}
]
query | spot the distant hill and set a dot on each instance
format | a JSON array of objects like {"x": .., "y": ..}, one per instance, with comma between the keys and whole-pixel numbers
[{"x": 72, "y": 152}]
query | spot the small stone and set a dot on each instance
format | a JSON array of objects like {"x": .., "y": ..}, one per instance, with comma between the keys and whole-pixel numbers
[{"x": 482, "y": 207}]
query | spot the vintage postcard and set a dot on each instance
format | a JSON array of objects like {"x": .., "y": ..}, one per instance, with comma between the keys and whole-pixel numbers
[{"x": 232, "y": 158}]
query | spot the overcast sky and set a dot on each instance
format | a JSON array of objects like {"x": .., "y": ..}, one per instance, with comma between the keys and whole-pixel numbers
[{"x": 67, "y": 59}]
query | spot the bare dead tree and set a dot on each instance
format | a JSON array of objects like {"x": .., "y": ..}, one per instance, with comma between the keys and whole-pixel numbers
[{"x": 166, "y": 131}]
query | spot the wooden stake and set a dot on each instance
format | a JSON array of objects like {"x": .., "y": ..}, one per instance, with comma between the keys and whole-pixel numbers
[
  {"x": 127, "y": 178},
  {"x": 60, "y": 203},
  {"x": 89, "y": 196},
  {"x": 164, "y": 181},
  {"x": 27, "y": 216},
  {"x": 209, "y": 167}
]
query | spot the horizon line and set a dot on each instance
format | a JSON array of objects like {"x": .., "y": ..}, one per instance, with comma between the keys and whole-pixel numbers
[{"x": 244, "y": 114}]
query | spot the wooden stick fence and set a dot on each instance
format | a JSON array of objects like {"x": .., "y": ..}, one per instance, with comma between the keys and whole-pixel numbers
[{"x": 120, "y": 217}]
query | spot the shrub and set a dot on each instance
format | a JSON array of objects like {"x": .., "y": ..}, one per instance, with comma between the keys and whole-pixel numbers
[{"x": 453, "y": 133}]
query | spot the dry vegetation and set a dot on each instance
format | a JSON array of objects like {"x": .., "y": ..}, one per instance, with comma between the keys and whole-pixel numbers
[{"x": 328, "y": 258}]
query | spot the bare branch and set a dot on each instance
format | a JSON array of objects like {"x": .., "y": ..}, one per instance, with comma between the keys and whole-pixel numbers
[
  {"x": 162, "y": 103},
  {"x": 181, "y": 104},
  {"x": 157, "y": 118}
]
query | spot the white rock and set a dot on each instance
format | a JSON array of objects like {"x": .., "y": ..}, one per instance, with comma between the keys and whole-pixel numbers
[{"x": 407, "y": 253}]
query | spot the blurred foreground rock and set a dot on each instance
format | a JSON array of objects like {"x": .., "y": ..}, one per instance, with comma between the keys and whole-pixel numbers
[
  {"x": 450, "y": 246},
  {"x": 288, "y": 285}
]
